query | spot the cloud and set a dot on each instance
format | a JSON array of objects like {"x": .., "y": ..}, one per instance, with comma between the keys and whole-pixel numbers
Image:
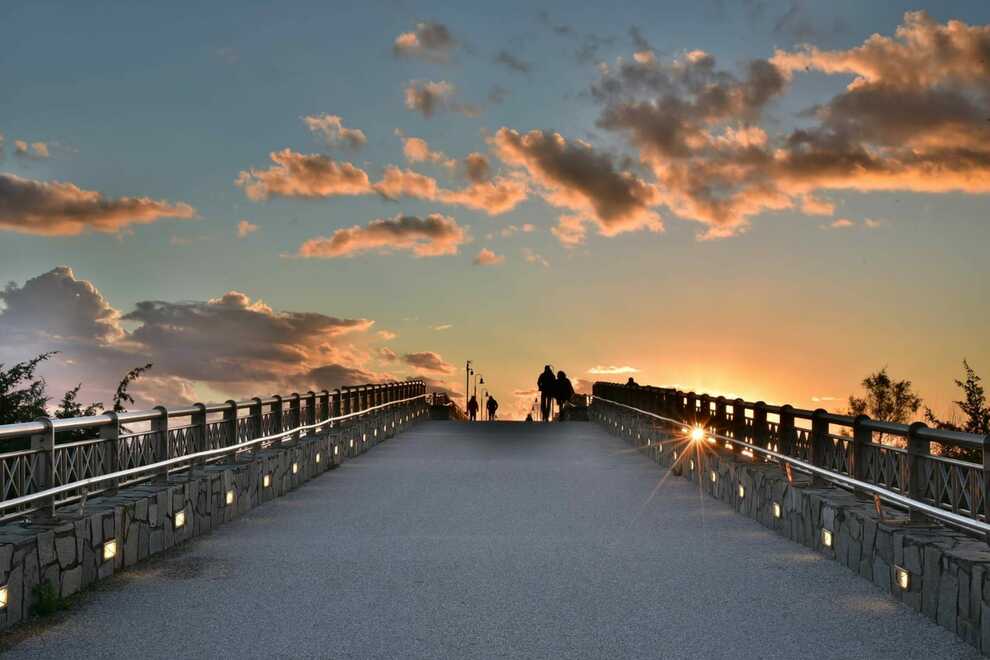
[
  {"x": 443, "y": 326},
  {"x": 512, "y": 63},
  {"x": 58, "y": 306},
  {"x": 532, "y": 257},
  {"x": 388, "y": 354},
  {"x": 317, "y": 176},
  {"x": 303, "y": 175},
  {"x": 569, "y": 231},
  {"x": 612, "y": 370},
  {"x": 417, "y": 150},
  {"x": 53, "y": 208},
  {"x": 912, "y": 119},
  {"x": 428, "y": 361},
  {"x": 488, "y": 258},
  {"x": 226, "y": 347},
  {"x": 331, "y": 128},
  {"x": 244, "y": 228},
  {"x": 432, "y": 42},
  {"x": 387, "y": 335},
  {"x": 429, "y": 97},
  {"x": 840, "y": 223},
  {"x": 575, "y": 176},
  {"x": 36, "y": 150},
  {"x": 431, "y": 236}
]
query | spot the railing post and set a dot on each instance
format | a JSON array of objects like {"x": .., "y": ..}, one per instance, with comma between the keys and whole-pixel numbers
[
  {"x": 258, "y": 416},
  {"x": 110, "y": 434},
  {"x": 739, "y": 423},
  {"x": 199, "y": 421},
  {"x": 761, "y": 431},
  {"x": 230, "y": 418},
  {"x": 690, "y": 408},
  {"x": 819, "y": 438},
  {"x": 919, "y": 450},
  {"x": 159, "y": 425},
  {"x": 45, "y": 471},
  {"x": 294, "y": 414},
  {"x": 335, "y": 411},
  {"x": 277, "y": 410},
  {"x": 721, "y": 416},
  {"x": 862, "y": 438},
  {"x": 785, "y": 429},
  {"x": 324, "y": 407},
  {"x": 986, "y": 481}
]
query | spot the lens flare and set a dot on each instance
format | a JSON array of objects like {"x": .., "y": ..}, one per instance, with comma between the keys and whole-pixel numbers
[{"x": 697, "y": 434}]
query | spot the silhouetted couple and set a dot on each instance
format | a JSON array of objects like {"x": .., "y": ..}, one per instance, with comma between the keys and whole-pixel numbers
[
  {"x": 472, "y": 408},
  {"x": 552, "y": 389}
]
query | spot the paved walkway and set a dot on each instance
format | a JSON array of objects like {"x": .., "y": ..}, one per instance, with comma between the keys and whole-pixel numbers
[{"x": 487, "y": 541}]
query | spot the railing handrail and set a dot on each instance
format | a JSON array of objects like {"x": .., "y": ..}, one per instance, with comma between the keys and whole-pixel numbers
[
  {"x": 209, "y": 453},
  {"x": 960, "y": 438},
  {"x": 970, "y": 524},
  {"x": 22, "y": 429}
]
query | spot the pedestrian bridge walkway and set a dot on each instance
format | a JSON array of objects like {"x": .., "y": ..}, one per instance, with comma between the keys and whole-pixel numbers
[{"x": 491, "y": 540}]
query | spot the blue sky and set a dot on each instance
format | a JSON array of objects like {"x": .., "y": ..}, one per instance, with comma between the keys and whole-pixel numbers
[{"x": 173, "y": 101}]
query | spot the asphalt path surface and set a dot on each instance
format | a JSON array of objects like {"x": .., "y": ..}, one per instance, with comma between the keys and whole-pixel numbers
[{"x": 490, "y": 540}]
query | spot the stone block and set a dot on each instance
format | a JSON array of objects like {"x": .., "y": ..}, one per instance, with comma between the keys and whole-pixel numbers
[
  {"x": 881, "y": 574},
  {"x": 948, "y": 597},
  {"x": 46, "y": 548},
  {"x": 931, "y": 577},
  {"x": 71, "y": 581},
  {"x": 65, "y": 550}
]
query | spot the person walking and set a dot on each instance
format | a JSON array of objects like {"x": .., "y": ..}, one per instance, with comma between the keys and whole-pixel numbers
[
  {"x": 472, "y": 408},
  {"x": 563, "y": 392},
  {"x": 546, "y": 384},
  {"x": 492, "y": 407}
]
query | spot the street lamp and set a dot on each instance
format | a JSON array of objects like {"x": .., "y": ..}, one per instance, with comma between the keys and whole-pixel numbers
[{"x": 467, "y": 382}]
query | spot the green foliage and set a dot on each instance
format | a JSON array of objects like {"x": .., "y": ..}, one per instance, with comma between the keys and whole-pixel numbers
[
  {"x": 122, "y": 397},
  {"x": 886, "y": 400},
  {"x": 22, "y": 396},
  {"x": 975, "y": 412},
  {"x": 47, "y": 600}
]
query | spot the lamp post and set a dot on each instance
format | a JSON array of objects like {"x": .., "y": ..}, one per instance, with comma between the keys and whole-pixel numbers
[{"x": 467, "y": 382}]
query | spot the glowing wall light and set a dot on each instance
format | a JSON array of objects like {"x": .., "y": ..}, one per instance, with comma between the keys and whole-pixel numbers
[
  {"x": 3, "y": 597},
  {"x": 691, "y": 465},
  {"x": 776, "y": 510},
  {"x": 714, "y": 476},
  {"x": 352, "y": 443},
  {"x": 827, "y": 537},
  {"x": 742, "y": 491},
  {"x": 180, "y": 519},
  {"x": 109, "y": 550},
  {"x": 317, "y": 458},
  {"x": 903, "y": 578},
  {"x": 295, "y": 468},
  {"x": 229, "y": 498},
  {"x": 336, "y": 450},
  {"x": 712, "y": 440},
  {"x": 266, "y": 481}
]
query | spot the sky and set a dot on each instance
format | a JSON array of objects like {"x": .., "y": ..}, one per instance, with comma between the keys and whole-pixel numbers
[{"x": 758, "y": 199}]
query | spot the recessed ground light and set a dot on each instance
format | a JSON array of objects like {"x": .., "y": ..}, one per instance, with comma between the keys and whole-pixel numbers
[
  {"x": 266, "y": 481},
  {"x": 295, "y": 468},
  {"x": 827, "y": 537},
  {"x": 180, "y": 519},
  {"x": 776, "y": 510},
  {"x": 317, "y": 458},
  {"x": 3, "y": 597},
  {"x": 714, "y": 476},
  {"x": 742, "y": 491},
  {"x": 109, "y": 550},
  {"x": 903, "y": 578},
  {"x": 229, "y": 499},
  {"x": 336, "y": 450}
]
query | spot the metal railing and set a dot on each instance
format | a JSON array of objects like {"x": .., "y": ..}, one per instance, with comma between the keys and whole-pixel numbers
[
  {"x": 68, "y": 459},
  {"x": 857, "y": 453}
]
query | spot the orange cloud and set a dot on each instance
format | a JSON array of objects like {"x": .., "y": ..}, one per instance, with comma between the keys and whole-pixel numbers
[
  {"x": 574, "y": 176},
  {"x": 488, "y": 258},
  {"x": 303, "y": 175},
  {"x": 331, "y": 128},
  {"x": 432, "y": 42},
  {"x": 431, "y": 236},
  {"x": 54, "y": 208}
]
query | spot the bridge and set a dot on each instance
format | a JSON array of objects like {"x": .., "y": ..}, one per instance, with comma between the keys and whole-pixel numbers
[{"x": 350, "y": 524}]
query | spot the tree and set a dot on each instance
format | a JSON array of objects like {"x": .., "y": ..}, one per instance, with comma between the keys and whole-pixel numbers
[
  {"x": 22, "y": 396},
  {"x": 976, "y": 416},
  {"x": 122, "y": 397},
  {"x": 886, "y": 400},
  {"x": 69, "y": 406}
]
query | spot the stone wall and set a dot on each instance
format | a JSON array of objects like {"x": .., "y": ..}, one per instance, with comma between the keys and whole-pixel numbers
[
  {"x": 948, "y": 572},
  {"x": 147, "y": 518}
]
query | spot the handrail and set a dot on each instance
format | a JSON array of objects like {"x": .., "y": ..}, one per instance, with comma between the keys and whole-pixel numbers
[
  {"x": 970, "y": 524},
  {"x": 22, "y": 429},
  {"x": 152, "y": 467}
]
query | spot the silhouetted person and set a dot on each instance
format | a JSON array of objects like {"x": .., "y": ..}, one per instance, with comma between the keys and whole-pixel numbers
[
  {"x": 529, "y": 417},
  {"x": 631, "y": 382},
  {"x": 492, "y": 407},
  {"x": 563, "y": 391},
  {"x": 546, "y": 384},
  {"x": 472, "y": 409}
]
